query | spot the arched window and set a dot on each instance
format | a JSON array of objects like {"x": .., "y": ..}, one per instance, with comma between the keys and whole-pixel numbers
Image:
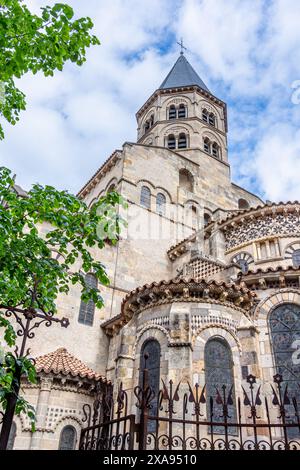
[
  {"x": 215, "y": 150},
  {"x": 207, "y": 145},
  {"x": 182, "y": 111},
  {"x": 161, "y": 203},
  {"x": 182, "y": 141},
  {"x": 147, "y": 126},
  {"x": 218, "y": 366},
  {"x": 243, "y": 260},
  {"x": 205, "y": 115},
  {"x": 12, "y": 436},
  {"x": 207, "y": 219},
  {"x": 186, "y": 180},
  {"x": 111, "y": 188},
  {"x": 284, "y": 324},
  {"x": 151, "y": 347},
  {"x": 172, "y": 112},
  {"x": 67, "y": 440},
  {"x": 296, "y": 258},
  {"x": 151, "y": 122},
  {"x": 212, "y": 119},
  {"x": 145, "y": 199},
  {"x": 171, "y": 141},
  {"x": 87, "y": 309},
  {"x": 243, "y": 204}
]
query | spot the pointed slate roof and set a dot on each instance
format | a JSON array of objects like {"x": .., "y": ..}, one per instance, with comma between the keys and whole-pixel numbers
[
  {"x": 62, "y": 362},
  {"x": 182, "y": 74}
]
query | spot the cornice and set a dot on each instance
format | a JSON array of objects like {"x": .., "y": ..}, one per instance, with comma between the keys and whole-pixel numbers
[
  {"x": 180, "y": 290},
  {"x": 100, "y": 173},
  {"x": 242, "y": 216}
]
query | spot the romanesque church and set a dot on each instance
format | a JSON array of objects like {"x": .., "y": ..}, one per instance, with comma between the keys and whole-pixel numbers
[{"x": 204, "y": 277}]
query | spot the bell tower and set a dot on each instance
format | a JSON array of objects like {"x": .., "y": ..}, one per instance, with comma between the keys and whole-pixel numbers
[{"x": 184, "y": 116}]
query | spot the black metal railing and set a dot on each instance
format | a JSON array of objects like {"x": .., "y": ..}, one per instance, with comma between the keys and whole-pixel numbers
[{"x": 187, "y": 419}]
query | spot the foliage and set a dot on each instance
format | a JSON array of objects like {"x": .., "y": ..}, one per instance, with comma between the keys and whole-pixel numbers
[
  {"x": 32, "y": 43},
  {"x": 47, "y": 240}
]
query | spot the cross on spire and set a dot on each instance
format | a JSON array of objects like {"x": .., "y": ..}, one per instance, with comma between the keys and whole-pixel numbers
[{"x": 181, "y": 46}]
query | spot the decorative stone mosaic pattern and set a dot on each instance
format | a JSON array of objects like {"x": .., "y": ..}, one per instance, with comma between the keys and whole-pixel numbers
[{"x": 264, "y": 226}]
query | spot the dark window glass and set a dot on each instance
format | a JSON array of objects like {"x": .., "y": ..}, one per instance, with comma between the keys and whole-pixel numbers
[
  {"x": 171, "y": 142},
  {"x": 212, "y": 120},
  {"x": 145, "y": 197},
  {"x": 207, "y": 145},
  {"x": 219, "y": 372},
  {"x": 285, "y": 332},
  {"x": 152, "y": 348},
  {"x": 172, "y": 112},
  {"x": 67, "y": 439},
  {"x": 182, "y": 142},
  {"x": 243, "y": 204},
  {"x": 243, "y": 264},
  {"x": 161, "y": 203},
  {"x": 215, "y": 150},
  {"x": 182, "y": 111},
  {"x": 205, "y": 115},
  {"x": 207, "y": 219},
  {"x": 87, "y": 310},
  {"x": 296, "y": 258}
]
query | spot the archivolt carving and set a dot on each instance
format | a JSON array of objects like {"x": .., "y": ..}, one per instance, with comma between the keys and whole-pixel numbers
[
  {"x": 213, "y": 137},
  {"x": 70, "y": 419},
  {"x": 176, "y": 129},
  {"x": 150, "y": 326},
  {"x": 176, "y": 101},
  {"x": 277, "y": 298},
  {"x": 234, "y": 341},
  {"x": 210, "y": 108}
]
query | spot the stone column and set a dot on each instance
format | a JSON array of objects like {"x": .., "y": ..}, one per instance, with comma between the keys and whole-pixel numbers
[
  {"x": 41, "y": 412},
  {"x": 180, "y": 350},
  {"x": 218, "y": 245}
]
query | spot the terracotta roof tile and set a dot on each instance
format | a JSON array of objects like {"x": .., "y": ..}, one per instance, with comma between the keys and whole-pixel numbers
[{"x": 62, "y": 362}]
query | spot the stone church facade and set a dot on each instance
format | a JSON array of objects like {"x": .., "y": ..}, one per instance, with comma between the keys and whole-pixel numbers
[{"x": 204, "y": 270}]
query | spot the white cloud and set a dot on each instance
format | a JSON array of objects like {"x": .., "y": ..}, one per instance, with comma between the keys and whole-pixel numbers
[{"x": 247, "y": 51}]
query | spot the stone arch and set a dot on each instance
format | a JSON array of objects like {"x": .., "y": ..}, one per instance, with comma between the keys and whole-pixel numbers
[
  {"x": 176, "y": 129},
  {"x": 198, "y": 356},
  {"x": 148, "y": 115},
  {"x": 291, "y": 249},
  {"x": 144, "y": 182},
  {"x": 282, "y": 296},
  {"x": 203, "y": 104},
  {"x": 68, "y": 420},
  {"x": 160, "y": 189},
  {"x": 93, "y": 201},
  {"x": 146, "y": 333},
  {"x": 158, "y": 333},
  {"x": 112, "y": 182},
  {"x": 217, "y": 330},
  {"x": 186, "y": 179},
  {"x": 243, "y": 204},
  {"x": 177, "y": 100},
  {"x": 213, "y": 137}
]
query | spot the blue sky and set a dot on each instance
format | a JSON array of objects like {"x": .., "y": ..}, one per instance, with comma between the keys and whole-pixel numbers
[{"x": 246, "y": 51}]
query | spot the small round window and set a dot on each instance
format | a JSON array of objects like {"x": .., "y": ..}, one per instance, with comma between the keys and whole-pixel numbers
[{"x": 296, "y": 258}]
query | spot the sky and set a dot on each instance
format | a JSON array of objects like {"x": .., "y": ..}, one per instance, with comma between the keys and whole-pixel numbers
[{"x": 246, "y": 51}]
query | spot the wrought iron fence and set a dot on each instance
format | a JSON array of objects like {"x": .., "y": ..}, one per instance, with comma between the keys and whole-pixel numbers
[{"x": 187, "y": 419}]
